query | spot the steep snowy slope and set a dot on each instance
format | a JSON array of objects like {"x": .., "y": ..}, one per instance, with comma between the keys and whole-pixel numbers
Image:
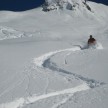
[
  {"x": 29, "y": 21},
  {"x": 42, "y": 62},
  {"x": 65, "y": 4}
]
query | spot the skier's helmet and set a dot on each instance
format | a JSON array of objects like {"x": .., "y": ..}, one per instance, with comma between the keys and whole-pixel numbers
[{"x": 91, "y": 36}]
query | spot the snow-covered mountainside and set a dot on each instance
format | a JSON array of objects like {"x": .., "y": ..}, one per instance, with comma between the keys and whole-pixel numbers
[
  {"x": 45, "y": 61},
  {"x": 65, "y": 4}
]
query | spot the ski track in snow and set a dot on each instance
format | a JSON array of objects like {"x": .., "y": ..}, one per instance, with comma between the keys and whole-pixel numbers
[
  {"x": 62, "y": 102},
  {"x": 42, "y": 59},
  {"x": 18, "y": 103},
  {"x": 44, "y": 62},
  {"x": 40, "y": 63}
]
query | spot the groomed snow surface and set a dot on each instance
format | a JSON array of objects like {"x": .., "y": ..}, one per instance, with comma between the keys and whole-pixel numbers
[{"x": 45, "y": 61}]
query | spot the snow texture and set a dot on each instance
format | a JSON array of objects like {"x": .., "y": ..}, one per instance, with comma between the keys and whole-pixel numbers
[{"x": 45, "y": 61}]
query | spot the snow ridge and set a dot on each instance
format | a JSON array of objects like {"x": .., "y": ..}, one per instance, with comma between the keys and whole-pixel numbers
[
  {"x": 10, "y": 33},
  {"x": 65, "y": 4}
]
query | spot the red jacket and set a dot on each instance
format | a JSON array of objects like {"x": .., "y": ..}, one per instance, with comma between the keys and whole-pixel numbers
[{"x": 91, "y": 40}]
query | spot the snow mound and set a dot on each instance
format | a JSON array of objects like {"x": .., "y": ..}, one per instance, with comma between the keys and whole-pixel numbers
[
  {"x": 65, "y": 4},
  {"x": 86, "y": 46},
  {"x": 10, "y": 33},
  {"x": 97, "y": 46}
]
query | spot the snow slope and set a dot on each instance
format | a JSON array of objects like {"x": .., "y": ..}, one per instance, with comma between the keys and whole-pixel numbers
[{"x": 45, "y": 61}]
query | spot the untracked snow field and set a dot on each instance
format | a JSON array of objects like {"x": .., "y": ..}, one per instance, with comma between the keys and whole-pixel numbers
[{"x": 45, "y": 61}]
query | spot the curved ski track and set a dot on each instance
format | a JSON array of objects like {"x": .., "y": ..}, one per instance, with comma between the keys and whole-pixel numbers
[{"x": 44, "y": 62}]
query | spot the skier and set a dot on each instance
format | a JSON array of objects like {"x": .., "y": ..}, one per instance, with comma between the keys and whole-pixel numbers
[{"x": 91, "y": 41}]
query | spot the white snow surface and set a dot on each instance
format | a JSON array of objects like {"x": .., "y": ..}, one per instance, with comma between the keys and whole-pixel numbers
[
  {"x": 45, "y": 61},
  {"x": 22, "y": 102}
]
